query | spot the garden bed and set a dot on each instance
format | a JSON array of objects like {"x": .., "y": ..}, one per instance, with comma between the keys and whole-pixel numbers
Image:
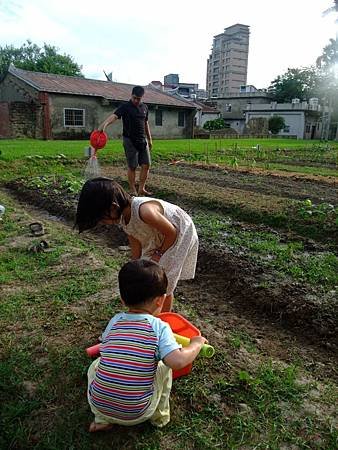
[{"x": 228, "y": 269}]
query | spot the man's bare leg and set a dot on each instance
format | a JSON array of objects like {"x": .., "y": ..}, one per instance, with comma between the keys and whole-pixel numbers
[
  {"x": 143, "y": 178},
  {"x": 168, "y": 303},
  {"x": 131, "y": 181}
]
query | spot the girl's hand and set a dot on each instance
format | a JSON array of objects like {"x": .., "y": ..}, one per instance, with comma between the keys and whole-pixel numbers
[
  {"x": 152, "y": 214},
  {"x": 156, "y": 256}
]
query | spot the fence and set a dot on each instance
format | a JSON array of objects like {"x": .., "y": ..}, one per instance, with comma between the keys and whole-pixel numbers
[{"x": 250, "y": 136}]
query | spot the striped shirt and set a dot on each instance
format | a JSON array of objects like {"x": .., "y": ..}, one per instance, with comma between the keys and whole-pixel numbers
[{"x": 131, "y": 348}]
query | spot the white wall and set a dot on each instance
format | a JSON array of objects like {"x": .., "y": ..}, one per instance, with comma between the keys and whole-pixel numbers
[
  {"x": 201, "y": 118},
  {"x": 295, "y": 120}
]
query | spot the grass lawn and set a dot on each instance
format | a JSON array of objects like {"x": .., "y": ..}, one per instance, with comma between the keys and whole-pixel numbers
[
  {"x": 308, "y": 157},
  {"x": 57, "y": 303},
  {"x": 54, "y": 304},
  {"x": 18, "y": 148}
]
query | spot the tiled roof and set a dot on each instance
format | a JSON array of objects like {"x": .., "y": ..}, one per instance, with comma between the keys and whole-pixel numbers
[
  {"x": 207, "y": 108},
  {"x": 61, "y": 84}
]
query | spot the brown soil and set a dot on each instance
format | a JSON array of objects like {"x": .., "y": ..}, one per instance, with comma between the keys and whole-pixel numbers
[
  {"x": 286, "y": 319},
  {"x": 226, "y": 299},
  {"x": 299, "y": 187}
]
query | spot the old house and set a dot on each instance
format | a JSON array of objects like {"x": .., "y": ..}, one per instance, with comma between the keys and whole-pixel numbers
[
  {"x": 205, "y": 113},
  {"x": 48, "y": 106}
]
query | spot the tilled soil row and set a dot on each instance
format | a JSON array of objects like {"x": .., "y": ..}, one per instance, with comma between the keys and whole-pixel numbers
[
  {"x": 248, "y": 206},
  {"x": 298, "y": 188},
  {"x": 226, "y": 278}
]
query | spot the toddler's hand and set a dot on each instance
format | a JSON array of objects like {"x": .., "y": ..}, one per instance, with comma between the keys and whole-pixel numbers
[{"x": 199, "y": 340}]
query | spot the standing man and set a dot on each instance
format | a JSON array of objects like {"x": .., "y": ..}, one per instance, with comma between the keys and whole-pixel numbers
[{"x": 137, "y": 141}]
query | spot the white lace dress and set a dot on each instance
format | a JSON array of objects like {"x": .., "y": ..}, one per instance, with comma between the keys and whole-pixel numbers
[{"x": 179, "y": 261}]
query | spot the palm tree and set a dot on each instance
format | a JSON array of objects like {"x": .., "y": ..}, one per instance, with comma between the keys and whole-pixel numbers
[
  {"x": 328, "y": 61},
  {"x": 329, "y": 58}
]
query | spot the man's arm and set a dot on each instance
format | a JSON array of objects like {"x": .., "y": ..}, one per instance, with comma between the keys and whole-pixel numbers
[
  {"x": 109, "y": 120},
  {"x": 149, "y": 138}
]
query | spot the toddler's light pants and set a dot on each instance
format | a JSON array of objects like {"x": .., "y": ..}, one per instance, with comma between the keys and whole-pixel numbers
[{"x": 158, "y": 412}]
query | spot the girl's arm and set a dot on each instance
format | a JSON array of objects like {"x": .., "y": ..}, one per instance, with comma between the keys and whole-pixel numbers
[
  {"x": 135, "y": 246},
  {"x": 152, "y": 214}
]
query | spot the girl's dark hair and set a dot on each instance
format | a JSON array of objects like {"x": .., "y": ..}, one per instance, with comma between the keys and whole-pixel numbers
[
  {"x": 95, "y": 202},
  {"x": 141, "y": 281}
]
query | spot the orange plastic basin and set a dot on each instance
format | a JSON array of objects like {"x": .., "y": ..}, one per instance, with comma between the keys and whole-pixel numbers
[{"x": 182, "y": 326}]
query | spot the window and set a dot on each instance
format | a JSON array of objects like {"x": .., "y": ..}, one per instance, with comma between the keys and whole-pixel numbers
[
  {"x": 286, "y": 129},
  {"x": 74, "y": 117},
  {"x": 228, "y": 107},
  {"x": 181, "y": 118},
  {"x": 307, "y": 128},
  {"x": 158, "y": 117}
]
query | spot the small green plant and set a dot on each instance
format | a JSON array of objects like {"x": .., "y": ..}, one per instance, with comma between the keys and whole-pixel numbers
[
  {"x": 322, "y": 212},
  {"x": 238, "y": 339},
  {"x": 234, "y": 162},
  {"x": 68, "y": 183}
]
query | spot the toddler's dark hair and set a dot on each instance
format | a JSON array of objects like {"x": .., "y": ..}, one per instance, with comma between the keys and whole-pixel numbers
[
  {"x": 138, "y": 91},
  {"x": 141, "y": 281},
  {"x": 95, "y": 202}
]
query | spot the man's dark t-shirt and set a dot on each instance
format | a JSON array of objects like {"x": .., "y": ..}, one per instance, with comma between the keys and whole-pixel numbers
[{"x": 134, "y": 119}]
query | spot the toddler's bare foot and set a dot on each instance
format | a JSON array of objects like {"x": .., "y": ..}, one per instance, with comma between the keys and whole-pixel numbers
[{"x": 99, "y": 427}]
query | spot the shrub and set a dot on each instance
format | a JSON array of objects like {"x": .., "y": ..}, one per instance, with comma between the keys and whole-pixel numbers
[
  {"x": 276, "y": 123},
  {"x": 217, "y": 124}
]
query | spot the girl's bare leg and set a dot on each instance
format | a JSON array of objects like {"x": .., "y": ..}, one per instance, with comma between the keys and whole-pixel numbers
[{"x": 168, "y": 303}]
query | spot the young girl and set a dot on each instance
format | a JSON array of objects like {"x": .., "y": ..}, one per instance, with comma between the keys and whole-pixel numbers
[{"x": 157, "y": 230}]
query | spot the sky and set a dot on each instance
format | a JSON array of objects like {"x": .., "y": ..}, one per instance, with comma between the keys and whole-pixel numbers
[{"x": 140, "y": 41}]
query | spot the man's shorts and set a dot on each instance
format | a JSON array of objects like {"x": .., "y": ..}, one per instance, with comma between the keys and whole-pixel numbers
[{"x": 136, "y": 156}]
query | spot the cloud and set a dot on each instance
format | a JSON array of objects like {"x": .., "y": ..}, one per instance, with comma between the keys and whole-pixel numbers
[{"x": 140, "y": 42}]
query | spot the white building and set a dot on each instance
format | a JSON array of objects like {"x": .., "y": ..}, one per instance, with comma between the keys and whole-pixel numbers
[{"x": 302, "y": 119}]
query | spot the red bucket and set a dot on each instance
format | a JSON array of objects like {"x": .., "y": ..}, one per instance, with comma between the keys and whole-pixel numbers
[
  {"x": 98, "y": 139},
  {"x": 182, "y": 326}
]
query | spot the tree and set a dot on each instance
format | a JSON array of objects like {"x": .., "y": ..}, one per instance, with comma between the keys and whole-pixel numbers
[
  {"x": 327, "y": 64},
  {"x": 329, "y": 57},
  {"x": 31, "y": 57},
  {"x": 276, "y": 123},
  {"x": 299, "y": 83}
]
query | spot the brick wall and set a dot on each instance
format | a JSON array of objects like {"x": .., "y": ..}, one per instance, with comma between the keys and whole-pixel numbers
[
  {"x": 5, "y": 126},
  {"x": 23, "y": 119}
]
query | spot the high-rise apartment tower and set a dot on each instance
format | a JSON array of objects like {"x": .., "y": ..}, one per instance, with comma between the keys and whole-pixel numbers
[{"x": 227, "y": 65}]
